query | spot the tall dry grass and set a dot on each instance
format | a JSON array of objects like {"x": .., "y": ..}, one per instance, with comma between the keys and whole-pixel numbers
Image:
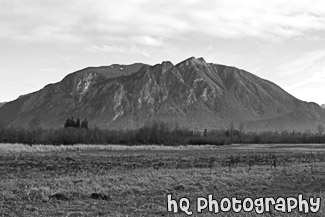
[{"x": 16, "y": 148}]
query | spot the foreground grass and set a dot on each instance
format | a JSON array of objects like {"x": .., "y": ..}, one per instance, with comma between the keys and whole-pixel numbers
[
  {"x": 21, "y": 148},
  {"x": 124, "y": 181}
]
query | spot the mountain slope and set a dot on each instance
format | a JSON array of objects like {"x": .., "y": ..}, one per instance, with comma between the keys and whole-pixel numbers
[{"x": 193, "y": 93}]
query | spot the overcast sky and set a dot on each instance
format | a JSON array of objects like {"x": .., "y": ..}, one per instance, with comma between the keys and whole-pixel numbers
[{"x": 41, "y": 41}]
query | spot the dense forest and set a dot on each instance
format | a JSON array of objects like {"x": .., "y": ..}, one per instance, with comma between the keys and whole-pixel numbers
[{"x": 77, "y": 132}]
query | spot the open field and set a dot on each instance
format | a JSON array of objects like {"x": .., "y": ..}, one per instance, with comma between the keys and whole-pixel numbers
[{"x": 116, "y": 180}]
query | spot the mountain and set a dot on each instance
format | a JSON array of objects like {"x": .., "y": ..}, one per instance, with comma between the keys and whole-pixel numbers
[
  {"x": 1, "y": 104},
  {"x": 323, "y": 106},
  {"x": 192, "y": 93}
]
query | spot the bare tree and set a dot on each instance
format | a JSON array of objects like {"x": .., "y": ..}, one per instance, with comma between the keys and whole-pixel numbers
[
  {"x": 231, "y": 130},
  {"x": 241, "y": 131},
  {"x": 320, "y": 129},
  {"x": 34, "y": 129}
]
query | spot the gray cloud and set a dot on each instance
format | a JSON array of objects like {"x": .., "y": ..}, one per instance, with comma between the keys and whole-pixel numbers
[{"x": 86, "y": 20}]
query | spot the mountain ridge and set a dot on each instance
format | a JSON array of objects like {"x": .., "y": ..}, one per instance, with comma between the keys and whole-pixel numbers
[{"x": 193, "y": 93}]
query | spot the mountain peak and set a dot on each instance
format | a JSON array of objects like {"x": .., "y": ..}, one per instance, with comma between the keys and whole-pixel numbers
[
  {"x": 167, "y": 63},
  {"x": 201, "y": 59},
  {"x": 193, "y": 60}
]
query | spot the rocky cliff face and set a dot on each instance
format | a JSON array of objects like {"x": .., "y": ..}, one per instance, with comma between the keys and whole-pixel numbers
[{"x": 193, "y": 93}]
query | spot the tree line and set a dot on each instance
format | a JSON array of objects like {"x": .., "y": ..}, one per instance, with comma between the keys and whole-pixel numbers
[{"x": 76, "y": 132}]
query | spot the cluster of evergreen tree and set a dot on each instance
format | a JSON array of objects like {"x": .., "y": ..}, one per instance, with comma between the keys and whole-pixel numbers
[{"x": 70, "y": 122}]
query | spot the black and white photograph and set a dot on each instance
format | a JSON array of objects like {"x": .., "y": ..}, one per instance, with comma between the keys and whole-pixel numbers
[{"x": 148, "y": 108}]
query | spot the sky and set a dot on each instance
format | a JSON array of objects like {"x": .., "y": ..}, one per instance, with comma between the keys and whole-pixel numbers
[{"x": 41, "y": 41}]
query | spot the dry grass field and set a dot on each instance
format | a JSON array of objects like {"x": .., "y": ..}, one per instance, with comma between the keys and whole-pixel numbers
[{"x": 117, "y": 181}]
